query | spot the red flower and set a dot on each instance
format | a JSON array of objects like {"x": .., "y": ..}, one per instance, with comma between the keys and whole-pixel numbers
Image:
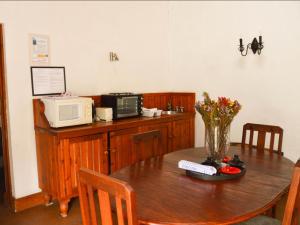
[{"x": 222, "y": 101}]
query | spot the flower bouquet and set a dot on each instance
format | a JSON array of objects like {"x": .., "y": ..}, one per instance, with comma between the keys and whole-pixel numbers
[{"x": 217, "y": 117}]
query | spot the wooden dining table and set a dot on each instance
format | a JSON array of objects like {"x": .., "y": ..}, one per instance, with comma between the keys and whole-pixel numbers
[{"x": 166, "y": 195}]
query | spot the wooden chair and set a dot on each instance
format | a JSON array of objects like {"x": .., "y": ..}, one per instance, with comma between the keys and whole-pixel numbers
[
  {"x": 261, "y": 137},
  {"x": 292, "y": 208},
  {"x": 105, "y": 186},
  {"x": 146, "y": 145}
]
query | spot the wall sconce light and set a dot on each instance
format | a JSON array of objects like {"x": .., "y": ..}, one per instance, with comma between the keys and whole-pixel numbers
[
  {"x": 255, "y": 46},
  {"x": 113, "y": 57}
]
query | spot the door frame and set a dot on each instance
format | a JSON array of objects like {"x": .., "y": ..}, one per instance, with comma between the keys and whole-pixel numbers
[{"x": 8, "y": 199}]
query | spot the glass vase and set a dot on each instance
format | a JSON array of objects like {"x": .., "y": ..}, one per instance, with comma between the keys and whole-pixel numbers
[{"x": 217, "y": 141}]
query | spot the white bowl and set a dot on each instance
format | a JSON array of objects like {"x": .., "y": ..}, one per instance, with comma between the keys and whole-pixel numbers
[
  {"x": 158, "y": 112},
  {"x": 148, "y": 112}
]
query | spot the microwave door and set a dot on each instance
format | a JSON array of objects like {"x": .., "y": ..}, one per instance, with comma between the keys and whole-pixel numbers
[{"x": 69, "y": 112}]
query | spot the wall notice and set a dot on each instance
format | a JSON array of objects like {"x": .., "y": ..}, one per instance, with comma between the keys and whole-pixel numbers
[
  {"x": 39, "y": 45},
  {"x": 48, "y": 80}
]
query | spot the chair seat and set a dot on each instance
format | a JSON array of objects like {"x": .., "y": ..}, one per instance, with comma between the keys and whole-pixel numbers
[{"x": 261, "y": 220}]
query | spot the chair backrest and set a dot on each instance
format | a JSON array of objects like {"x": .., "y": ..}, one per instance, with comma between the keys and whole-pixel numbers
[
  {"x": 146, "y": 145},
  {"x": 106, "y": 187},
  {"x": 292, "y": 208},
  {"x": 261, "y": 137}
]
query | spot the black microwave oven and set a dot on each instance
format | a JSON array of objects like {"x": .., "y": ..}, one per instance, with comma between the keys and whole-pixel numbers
[{"x": 123, "y": 105}]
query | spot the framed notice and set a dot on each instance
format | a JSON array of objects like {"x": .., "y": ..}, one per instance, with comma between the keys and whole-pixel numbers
[
  {"x": 48, "y": 80},
  {"x": 39, "y": 50}
]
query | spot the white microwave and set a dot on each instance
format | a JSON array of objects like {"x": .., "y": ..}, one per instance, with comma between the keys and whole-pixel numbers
[{"x": 70, "y": 111}]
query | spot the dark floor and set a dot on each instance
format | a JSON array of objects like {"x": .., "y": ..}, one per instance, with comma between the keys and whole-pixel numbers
[{"x": 41, "y": 215}]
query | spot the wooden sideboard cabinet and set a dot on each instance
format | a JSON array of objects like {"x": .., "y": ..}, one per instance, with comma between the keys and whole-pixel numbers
[
  {"x": 106, "y": 147},
  {"x": 59, "y": 159}
]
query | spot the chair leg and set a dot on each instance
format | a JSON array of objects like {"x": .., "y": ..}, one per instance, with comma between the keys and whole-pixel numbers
[{"x": 271, "y": 212}]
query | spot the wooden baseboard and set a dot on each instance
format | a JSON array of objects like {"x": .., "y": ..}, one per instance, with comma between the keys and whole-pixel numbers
[{"x": 29, "y": 201}]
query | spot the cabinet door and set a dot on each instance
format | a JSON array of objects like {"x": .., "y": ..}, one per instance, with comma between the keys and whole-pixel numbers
[
  {"x": 183, "y": 135},
  {"x": 87, "y": 152}
]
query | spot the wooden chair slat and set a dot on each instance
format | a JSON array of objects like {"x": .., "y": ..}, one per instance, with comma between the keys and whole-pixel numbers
[
  {"x": 261, "y": 137},
  {"x": 251, "y": 139},
  {"x": 119, "y": 211},
  {"x": 280, "y": 142},
  {"x": 105, "y": 207},
  {"x": 131, "y": 210},
  {"x": 92, "y": 205},
  {"x": 84, "y": 205},
  {"x": 272, "y": 142},
  {"x": 244, "y": 138}
]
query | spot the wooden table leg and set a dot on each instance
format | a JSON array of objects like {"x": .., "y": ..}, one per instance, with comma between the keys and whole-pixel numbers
[{"x": 63, "y": 207}]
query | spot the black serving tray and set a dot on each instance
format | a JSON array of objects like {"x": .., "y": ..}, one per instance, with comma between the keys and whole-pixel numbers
[{"x": 216, "y": 177}]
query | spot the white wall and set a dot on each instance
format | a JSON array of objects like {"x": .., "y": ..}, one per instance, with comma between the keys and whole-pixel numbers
[
  {"x": 162, "y": 46},
  {"x": 204, "y": 56},
  {"x": 81, "y": 37}
]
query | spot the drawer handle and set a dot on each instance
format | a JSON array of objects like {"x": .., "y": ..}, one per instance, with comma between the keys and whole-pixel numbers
[{"x": 105, "y": 152}]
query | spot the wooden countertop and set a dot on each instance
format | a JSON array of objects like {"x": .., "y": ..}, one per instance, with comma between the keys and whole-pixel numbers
[{"x": 100, "y": 127}]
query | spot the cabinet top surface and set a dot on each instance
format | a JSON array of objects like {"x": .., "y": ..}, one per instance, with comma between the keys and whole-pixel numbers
[{"x": 118, "y": 124}]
